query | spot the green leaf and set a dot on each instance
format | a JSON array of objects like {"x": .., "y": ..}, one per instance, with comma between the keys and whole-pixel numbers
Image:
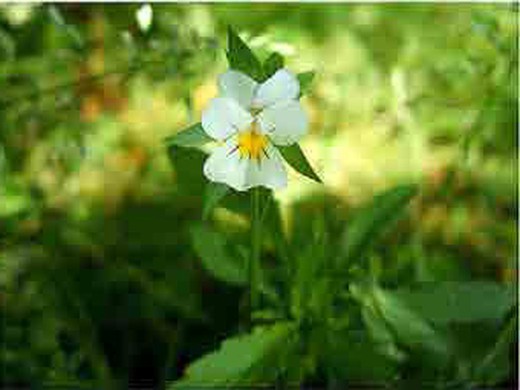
[
  {"x": 192, "y": 137},
  {"x": 211, "y": 247},
  {"x": 296, "y": 159},
  {"x": 448, "y": 302},
  {"x": 274, "y": 62},
  {"x": 496, "y": 364},
  {"x": 305, "y": 80},
  {"x": 382, "y": 337},
  {"x": 410, "y": 328},
  {"x": 347, "y": 357},
  {"x": 188, "y": 165},
  {"x": 373, "y": 220},
  {"x": 215, "y": 192},
  {"x": 241, "y": 57},
  {"x": 244, "y": 361}
]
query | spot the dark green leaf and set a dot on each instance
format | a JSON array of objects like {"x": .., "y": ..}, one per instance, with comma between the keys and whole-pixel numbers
[
  {"x": 241, "y": 58},
  {"x": 238, "y": 359},
  {"x": 296, "y": 159},
  {"x": 192, "y": 137},
  {"x": 496, "y": 364},
  {"x": 305, "y": 80},
  {"x": 211, "y": 247},
  {"x": 274, "y": 62},
  {"x": 373, "y": 220},
  {"x": 347, "y": 358},
  {"x": 188, "y": 165},
  {"x": 215, "y": 192},
  {"x": 447, "y": 302}
]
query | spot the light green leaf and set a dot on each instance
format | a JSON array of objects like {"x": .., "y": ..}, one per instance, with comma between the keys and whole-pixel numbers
[
  {"x": 446, "y": 302},
  {"x": 296, "y": 159},
  {"x": 13, "y": 203},
  {"x": 383, "y": 339},
  {"x": 211, "y": 247},
  {"x": 274, "y": 62},
  {"x": 241, "y": 361},
  {"x": 192, "y": 137},
  {"x": 373, "y": 220},
  {"x": 215, "y": 192},
  {"x": 305, "y": 80},
  {"x": 242, "y": 58}
]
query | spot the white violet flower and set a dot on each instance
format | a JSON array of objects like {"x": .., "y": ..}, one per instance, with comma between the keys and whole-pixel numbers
[{"x": 249, "y": 119}]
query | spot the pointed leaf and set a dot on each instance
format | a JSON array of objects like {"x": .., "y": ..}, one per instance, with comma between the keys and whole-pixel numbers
[
  {"x": 295, "y": 157},
  {"x": 274, "y": 62},
  {"x": 215, "y": 192},
  {"x": 241, "y": 57},
  {"x": 192, "y": 137},
  {"x": 235, "y": 362}
]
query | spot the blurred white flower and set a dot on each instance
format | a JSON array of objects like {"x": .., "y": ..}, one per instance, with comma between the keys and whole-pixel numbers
[
  {"x": 18, "y": 14},
  {"x": 249, "y": 120},
  {"x": 144, "y": 17}
]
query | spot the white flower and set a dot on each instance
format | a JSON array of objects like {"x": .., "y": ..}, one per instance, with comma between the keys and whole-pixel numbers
[
  {"x": 249, "y": 120},
  {"x": 144, "y": 16}
]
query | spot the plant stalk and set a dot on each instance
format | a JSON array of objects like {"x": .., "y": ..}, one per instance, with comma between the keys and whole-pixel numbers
[{"x": 254, "y": 261}]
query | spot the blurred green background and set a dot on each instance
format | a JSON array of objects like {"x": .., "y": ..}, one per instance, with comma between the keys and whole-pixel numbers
[{"x": 100, "y": 226}]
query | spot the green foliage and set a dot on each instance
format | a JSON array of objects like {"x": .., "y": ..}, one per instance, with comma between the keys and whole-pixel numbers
[
  {"x": 215, "y": 192},
  {"x": 211, "y": 248},
  {"x": 192, "y": 137},
  {"x": 108, "y": 276},
  {"x": 238, "y": 360},
  {"x": 241, "y": 57},
  {"x": 347, "y": 359},
  {"x": 274, "y": 62},
  {"x": 446, "y": 302},
  {"x": 495, "y": 364},
  {"x": 305, "y": 80},
  {"x": 369, "y": 223},
  {"x": 409, "y": 328},
  {"x": 294, "y": 156}
]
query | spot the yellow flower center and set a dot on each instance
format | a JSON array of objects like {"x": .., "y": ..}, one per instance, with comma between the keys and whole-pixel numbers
[{"x": 251, "y": 143}]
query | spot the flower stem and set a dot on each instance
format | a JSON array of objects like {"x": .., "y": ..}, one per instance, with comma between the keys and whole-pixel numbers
[{"x": 254, "y": 261}]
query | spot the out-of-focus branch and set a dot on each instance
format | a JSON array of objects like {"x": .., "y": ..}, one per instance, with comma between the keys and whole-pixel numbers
[{"x": 42, "y": 92}]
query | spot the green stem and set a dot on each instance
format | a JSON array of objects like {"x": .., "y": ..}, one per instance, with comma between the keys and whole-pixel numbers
[{"x": 254, "y": 261}]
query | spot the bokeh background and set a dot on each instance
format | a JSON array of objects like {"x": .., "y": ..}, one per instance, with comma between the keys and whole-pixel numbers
[{"x": 98, "y": 274}]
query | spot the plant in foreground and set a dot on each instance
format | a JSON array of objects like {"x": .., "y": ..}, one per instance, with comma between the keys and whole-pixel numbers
[
  {"x": 256, "y": 120},
  {"x": 326, "y": 310}
]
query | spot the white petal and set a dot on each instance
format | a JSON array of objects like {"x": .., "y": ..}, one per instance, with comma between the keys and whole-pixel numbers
[
  {"x": 224, "y": 165},
  {"x": 224, "y": 117},
  {"x": 285, "y": 123},
  {"x": 237, "y": 86},
  {"x": 268, "y": 171},
  {"x": 280, "y": 87}
]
